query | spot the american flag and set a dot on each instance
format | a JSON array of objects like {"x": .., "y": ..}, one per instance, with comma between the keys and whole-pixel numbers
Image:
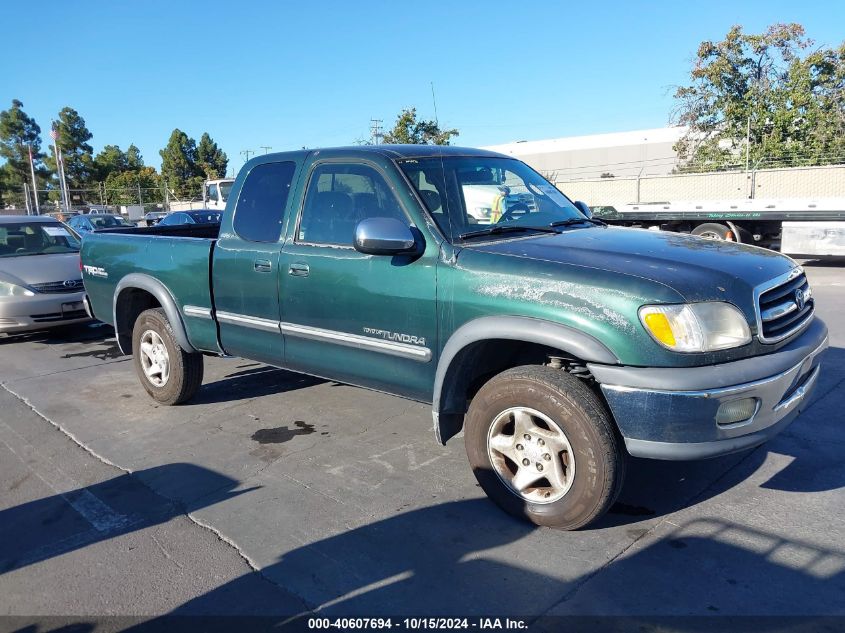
[{"x": 54, "y": 133}]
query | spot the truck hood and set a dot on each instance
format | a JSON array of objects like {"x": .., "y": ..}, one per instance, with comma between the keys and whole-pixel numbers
[
  {"x": 698, "y": 269},
  {"x": 39, "y": 269}
]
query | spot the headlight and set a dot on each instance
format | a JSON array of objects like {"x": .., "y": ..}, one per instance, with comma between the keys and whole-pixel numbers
[
  {"x": 11, "y": 290},
  {"x": 696, "y": 327}
]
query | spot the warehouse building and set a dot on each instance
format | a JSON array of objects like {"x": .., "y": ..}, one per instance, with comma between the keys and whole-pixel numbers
[{"x": 620, "y": 154}]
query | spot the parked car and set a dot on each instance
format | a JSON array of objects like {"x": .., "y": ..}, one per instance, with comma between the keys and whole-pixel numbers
[
  {"x": 40, "y": 282},
  {"x": 555, "y": 342},
  {"x": 191, "y": 217},
  {"x": 61, "y": 216},
  {"x": 153, "y": 217},
  {"x": 86, "y": 223}
]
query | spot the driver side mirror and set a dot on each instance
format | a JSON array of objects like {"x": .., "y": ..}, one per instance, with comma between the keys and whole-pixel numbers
[
  {"x": 384, "y": 236},
  {"x": 584, "y": 208}
]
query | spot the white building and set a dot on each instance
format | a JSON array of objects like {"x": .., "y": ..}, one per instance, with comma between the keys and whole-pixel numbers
[{"x": 641, "y": 152}]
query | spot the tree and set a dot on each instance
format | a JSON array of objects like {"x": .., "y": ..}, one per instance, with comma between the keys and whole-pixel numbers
[
  {"x": 788, "y": 101},
  {"x": 18, "y": 133},
  {"x": 73, "y": 137},
  {"x": 122, "y": 187},
  {"x": 113, "y": 160},
  {"x": 110, "y": 160},
  {"x": 211, "y": 159},
  {"x": 179, "y": 166},
  {"x": 134, "y": 160},
  {"x": 411, "y": 131}
]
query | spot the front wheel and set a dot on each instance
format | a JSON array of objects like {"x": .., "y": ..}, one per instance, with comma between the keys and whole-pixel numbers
[
  {"x": 542, "y": 446},
  {"x": 168, "y": 373}
]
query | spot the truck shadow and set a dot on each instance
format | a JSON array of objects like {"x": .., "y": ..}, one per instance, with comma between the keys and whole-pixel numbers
[
  {"x": 253, "y": 382},
  {"x": 447, "y": 560},
  {"x": 39, "y": 530}
]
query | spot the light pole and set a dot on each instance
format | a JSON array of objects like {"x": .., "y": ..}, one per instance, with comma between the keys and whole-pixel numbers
[
  {"x": 34, "y": 183},
  {"x": 60, "y": 165}
]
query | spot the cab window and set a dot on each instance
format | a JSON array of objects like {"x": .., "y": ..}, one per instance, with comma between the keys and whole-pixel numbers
[
  {"x": 339, "y": 196},
  {"x": 261, "y": 202}
]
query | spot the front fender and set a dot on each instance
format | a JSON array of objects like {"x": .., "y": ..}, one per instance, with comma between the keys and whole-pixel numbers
[{"x": 448, "y": 405}]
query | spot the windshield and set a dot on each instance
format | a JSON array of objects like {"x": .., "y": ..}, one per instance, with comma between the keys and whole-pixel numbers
[
  {"x": 35, "y": 238},
  {"x": 225, "y": 188},
  {"x": 468, "y": 194}
]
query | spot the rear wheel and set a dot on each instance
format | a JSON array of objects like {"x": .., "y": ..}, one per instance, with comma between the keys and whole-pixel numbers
[
  {"x": 713, "y": 231},
  {"x": 543, "y": 447},
  {"x": 168, "y": 373}
]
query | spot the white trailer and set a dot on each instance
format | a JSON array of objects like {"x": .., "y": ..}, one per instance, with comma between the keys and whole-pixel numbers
[{"x": 798, "y": 227}]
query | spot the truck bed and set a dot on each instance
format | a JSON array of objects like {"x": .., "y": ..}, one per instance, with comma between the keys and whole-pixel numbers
[{"x": 178, "y": 257}]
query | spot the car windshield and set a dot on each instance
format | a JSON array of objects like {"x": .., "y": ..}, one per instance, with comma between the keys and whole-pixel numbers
[
  {"x": 35, "y": 238},
  {"x": 468, "y": 194},
  {"x": 225, "y": 188}
]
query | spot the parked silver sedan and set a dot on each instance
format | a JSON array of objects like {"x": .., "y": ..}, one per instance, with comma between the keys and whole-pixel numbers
[{"x": 40, "y": 280}]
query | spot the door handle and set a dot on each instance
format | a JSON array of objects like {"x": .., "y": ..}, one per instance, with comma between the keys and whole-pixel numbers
[
  {"x": 262, "y": 265},
  {"x": 299, "y": 270}
]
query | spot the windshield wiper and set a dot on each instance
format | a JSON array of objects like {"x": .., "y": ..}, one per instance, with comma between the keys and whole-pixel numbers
[
  {"x": 571, "y": 221},
  {"x": 506, "y": 228}
]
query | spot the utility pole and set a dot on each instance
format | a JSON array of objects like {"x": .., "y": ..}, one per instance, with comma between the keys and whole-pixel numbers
[
  {"x": 266, "y": 148},
  {"x": 747, "y": 142},
  {"x": 375, "y": 131},
  {"x": 247, "y": 152},
  {"x": 34, "y": 183}
]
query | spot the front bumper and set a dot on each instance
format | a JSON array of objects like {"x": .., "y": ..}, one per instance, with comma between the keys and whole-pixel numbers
[
  {"x": 666, "y": 413},
  {"x": 27, "y": 314}
]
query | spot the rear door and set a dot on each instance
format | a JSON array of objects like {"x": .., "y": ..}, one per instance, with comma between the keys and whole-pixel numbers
[{"x": 245, "y": 270}]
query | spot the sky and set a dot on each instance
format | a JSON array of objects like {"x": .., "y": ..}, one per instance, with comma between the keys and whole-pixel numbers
[{"x": 308, "y": 74}]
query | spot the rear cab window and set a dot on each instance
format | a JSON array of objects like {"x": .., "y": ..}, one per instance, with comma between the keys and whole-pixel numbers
[{"x": 260, "y": 208}]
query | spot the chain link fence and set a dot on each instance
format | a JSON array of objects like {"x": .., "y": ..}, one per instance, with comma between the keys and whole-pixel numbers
[
  {"x": 101, "y": 198},
  {"x": 792, "y": 182}
]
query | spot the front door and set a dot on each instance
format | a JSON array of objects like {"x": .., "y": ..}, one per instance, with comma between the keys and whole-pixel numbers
[
  {"x": 364, "y": 319},
  {"x": 245, "y": 273}
]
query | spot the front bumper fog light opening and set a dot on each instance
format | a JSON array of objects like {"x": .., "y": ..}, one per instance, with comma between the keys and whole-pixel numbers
[{"x": 737, "y": 411}]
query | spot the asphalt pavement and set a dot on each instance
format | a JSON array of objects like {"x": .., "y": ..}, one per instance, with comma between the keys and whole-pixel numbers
[{"x": 273, "y": 493}]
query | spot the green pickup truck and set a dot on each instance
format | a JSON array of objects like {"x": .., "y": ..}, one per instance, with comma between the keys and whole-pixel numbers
[{"x": 555, "y": 343}]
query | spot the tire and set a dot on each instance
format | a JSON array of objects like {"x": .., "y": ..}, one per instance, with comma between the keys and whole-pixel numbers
[
  {"x": 713, "y": 231},
  {"x": 585, "y": 467},
  {"x": 168, "y": 373}
]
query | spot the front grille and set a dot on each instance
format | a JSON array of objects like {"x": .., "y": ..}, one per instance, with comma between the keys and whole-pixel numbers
[
  {"x": 54, "y": 287},
  {"x": 785, "y": 308}
]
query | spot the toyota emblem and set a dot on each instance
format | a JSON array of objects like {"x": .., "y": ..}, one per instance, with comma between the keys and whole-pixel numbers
[
  {"x": 71, "y": 283},
  {"x": 800, "y": 299}
]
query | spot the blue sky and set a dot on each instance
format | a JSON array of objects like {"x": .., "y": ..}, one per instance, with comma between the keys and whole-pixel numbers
[{"x": 293, "y": 74}]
